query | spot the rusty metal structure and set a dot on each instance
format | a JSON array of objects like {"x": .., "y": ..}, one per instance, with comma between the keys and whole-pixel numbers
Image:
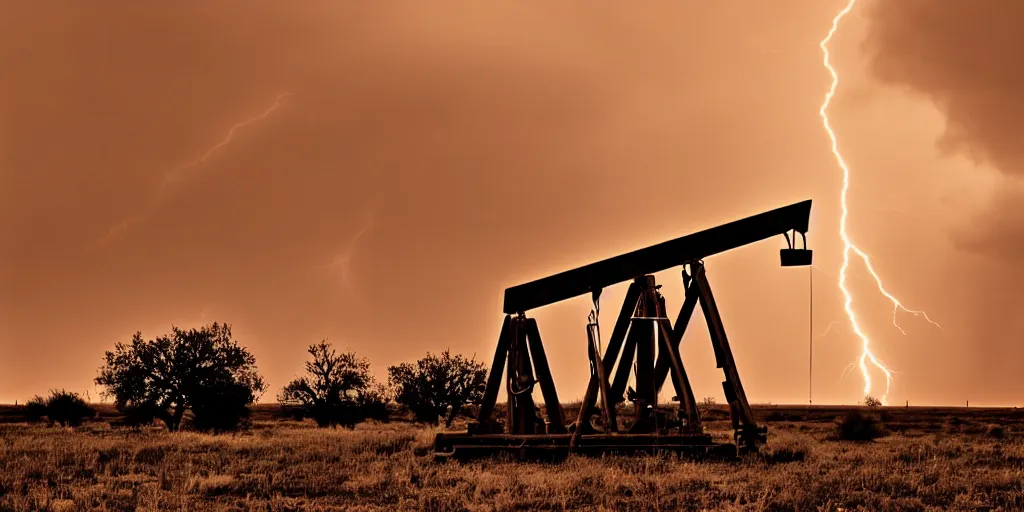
[{"x": 644, "y": 344}]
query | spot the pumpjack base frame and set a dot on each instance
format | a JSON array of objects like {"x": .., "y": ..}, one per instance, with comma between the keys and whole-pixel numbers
[{"x": 463, "y": 446}]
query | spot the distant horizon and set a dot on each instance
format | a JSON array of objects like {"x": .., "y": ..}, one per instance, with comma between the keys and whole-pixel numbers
[{"x": 718, "y": 404}]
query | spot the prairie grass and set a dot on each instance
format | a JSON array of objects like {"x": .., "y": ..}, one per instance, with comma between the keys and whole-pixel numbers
[{"x": 284, "y": 465}]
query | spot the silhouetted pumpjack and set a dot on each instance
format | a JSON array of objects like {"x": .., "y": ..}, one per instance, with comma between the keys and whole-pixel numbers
[{"x": 651, "y": 351}]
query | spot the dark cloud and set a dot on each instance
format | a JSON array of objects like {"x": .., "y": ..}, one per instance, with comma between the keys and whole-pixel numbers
[{"x": 965, "y": 56}]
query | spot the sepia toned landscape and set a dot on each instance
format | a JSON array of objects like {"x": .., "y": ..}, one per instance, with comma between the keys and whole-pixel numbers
[
  {"x": 925, "y": 459},
  {"x": 465, "y": 252}
]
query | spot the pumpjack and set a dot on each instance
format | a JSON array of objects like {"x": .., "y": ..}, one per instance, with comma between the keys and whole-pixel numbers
[{"x": 644, "y": 343}]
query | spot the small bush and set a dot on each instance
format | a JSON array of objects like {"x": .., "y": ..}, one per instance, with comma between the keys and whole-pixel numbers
[
  {"x": 35, "y": 409},
  {"x": 858, "y": 427},
  {"x": 438, "y": 385},
  {"x": 337, "y": 390},
  {"x": 347, "y": 413},
  {"x": 871, "y": 401},
  {"x": 68, "y": 409},
  {"x": 995, "y": 431}
]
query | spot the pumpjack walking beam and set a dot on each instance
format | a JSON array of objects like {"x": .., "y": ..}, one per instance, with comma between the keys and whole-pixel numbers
[
  {"x": 643, "y": 340},
  {"x": 656, "y": 258}
]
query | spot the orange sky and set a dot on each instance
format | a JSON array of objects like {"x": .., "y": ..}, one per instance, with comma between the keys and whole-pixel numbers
[{"x": 468, "y": 147}]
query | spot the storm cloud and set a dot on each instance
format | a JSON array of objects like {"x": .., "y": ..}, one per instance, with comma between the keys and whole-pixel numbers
[{"x": 965, "y": 56}]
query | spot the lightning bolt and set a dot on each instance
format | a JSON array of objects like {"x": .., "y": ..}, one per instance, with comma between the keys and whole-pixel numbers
[
  {"x": 173, "y": 174},
  {"x": 867, "y": 356},
  {"x": 178, "y": 173}
]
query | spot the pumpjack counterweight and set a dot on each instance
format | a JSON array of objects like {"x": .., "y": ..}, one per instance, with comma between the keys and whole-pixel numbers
[{"x": 644, "y": 344}]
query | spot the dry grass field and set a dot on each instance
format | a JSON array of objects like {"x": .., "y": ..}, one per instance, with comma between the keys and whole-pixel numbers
[{"x": 931, "y": 459}]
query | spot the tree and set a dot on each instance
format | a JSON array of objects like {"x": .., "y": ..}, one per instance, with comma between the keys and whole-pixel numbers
[
  {"x": 202, "y": 370},
  {"x": 438, "y": 385},
  {"x": 336, "y": 390},
  {"x": 871, "y": 401}
]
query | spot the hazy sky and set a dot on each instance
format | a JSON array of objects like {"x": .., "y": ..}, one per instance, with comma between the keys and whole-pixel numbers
[{"x": 412, "y": 160}]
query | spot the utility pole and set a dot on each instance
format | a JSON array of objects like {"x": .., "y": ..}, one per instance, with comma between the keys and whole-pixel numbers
[{"x": 810, "y": 333}]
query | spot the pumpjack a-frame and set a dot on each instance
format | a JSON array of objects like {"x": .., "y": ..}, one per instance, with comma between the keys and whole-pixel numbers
[{"x": 644, "y": 343}]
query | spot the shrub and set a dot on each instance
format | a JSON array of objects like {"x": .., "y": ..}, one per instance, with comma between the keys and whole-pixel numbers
[
  {"x": 35, "y": 409},
  {"x": 336, "y": 390},
  {"x": 858, "y": 427},
  {"x": 871, "y": 401},
  {"x": 995, "y": 431},
  {"x": 67, "y": 409},
  {"x": 438, "y": 385}
]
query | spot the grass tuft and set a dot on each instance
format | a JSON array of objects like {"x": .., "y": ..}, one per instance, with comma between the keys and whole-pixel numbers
[{"x": 856, "y": 426}]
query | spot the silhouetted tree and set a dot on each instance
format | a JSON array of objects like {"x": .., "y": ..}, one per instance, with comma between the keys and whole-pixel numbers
[
  {"x": 199, "y": 369},
  {"x": 438, "y": 385},
  {"x": 871, "y": 401},
  {"x": 336, "y": 390}
]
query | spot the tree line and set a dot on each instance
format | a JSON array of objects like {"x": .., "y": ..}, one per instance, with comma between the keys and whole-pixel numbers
[{"x": 204, "y": 380}]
